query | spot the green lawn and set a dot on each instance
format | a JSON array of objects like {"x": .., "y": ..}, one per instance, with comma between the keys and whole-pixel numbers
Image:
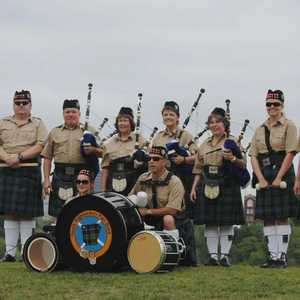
[{"x": 236, "y": 282}]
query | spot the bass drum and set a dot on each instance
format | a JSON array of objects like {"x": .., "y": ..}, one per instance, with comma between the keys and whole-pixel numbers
[
  {"x": 93, "y": 231},
  {"x": 154, "y": 251},
  {"x": 41, "y": 254}
]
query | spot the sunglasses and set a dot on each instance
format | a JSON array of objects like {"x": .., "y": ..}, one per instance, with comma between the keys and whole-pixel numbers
[
  {"x": 84, "y": 182},
  {"x": 24, "y": 103},
  {"x": 155, "y": 158},
  {"x": 275, "y": 104}
]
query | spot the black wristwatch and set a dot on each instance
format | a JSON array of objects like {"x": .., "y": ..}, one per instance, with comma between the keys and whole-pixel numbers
[{"x": 20, "y": 156}]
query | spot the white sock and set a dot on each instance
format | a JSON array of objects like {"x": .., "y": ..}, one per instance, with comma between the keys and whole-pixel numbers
[
  {"x": 284, "y": 232},
  {"x": 12, "y": 231},
  {"x": 270, "y": 232},
  {"x": 226, "y": 237},
  {"x": 211, "y": 234},
  {"x": 174, "y": 233},
  {"x": 26, "y": 227}
]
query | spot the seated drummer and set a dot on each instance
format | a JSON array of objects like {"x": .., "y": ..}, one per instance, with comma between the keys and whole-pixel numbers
[
  {"x": 85, "y": 184},
  {"x": 165, "y": 209}
]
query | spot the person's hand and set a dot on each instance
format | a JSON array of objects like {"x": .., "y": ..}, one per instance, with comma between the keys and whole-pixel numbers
[
  {"x": 12, "y": 160},
  {"x": 297, "y": 188},
  {"x": 263, "y": 184},
  {"x": 276, "y": 182},
  {"x": 227, "y": 155},
  {"x": 193, "y": 195},
  {"x": 177, "y": 159},
  {"x": 143, "y": 211},
  {"x": 47, "y": 187}
]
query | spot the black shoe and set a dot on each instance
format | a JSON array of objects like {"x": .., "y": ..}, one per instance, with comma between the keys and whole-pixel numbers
[
  {"x": 281, "y": 262},
  {"x": 21, "y": 258},
  {"x": 224, "y": 262},
  {"x": 270, "y": 261},
  {"x": 7, "y": 258},
  {"x": 211, "y": 262}
]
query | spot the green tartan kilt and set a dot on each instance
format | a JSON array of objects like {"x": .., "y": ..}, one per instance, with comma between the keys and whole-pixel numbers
[
  {"x": 226, "y": 209},
  {"x": 55, "y": 203},
  {"x": 190, "y": 207},
  {"x": 186, "y": 232},
  {"x": 21, "y": 191},
  {"x": 276, "y": 203}
]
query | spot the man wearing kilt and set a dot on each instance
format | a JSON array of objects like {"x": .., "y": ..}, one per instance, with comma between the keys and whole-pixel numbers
[
  {"x": 272, "y": 152},
  {"x": 165, "y": 208},
  {"x": 218, "y": 197},
  {"x": 63, "y": 147},
  {"x": 181, "y": 166},
  {"x": 22, "y": 138}
]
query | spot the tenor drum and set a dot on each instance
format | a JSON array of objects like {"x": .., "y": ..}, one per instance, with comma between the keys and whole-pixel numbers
[
  {"x": 93, "y": 231},
  {"x": 41, "y": 253},
  {"x": 154, "y": 251}
]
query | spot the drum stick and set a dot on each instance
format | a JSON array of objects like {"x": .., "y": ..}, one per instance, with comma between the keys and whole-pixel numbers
[
  {"x": 4, "y": 165},
  {"x": 283, "y": 185}
]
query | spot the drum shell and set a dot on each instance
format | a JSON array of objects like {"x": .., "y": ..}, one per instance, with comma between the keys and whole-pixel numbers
[
  {"x": 153, "y": 251},
  {"x": 41, "y": 254},
  {"x": 119, "y": 221}
]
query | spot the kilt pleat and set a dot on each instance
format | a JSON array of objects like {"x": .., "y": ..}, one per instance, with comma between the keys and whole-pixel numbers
[
  {"x": 225, "y": 210},
  {"x": 21, "y": 191},
  {"x": 276, "y": 203}
]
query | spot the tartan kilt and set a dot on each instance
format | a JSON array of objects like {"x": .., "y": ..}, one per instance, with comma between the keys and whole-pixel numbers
[
  {"x": 21, "y": 191},
  {"x": 186, "y": 232},
  {"x": 190, "y": 207},
  {"x": 227, "y": 209},
  {"x": 55, "y": 203},
  {"x": 276, "y": 203}
]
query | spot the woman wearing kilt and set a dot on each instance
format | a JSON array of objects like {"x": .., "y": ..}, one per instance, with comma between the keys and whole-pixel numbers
[
  {"x": 119, "y": 159},
  {"x": 217, "y": 196},
  {"x": 272, "y": 152},
  {"x": 181, "y": 166},
  {"x": 22, "y": 138}
]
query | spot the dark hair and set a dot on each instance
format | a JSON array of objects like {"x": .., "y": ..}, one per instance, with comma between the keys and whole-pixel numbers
[
  {"x": 219, "y": 118},
  {"x": 132, "y": 124}
]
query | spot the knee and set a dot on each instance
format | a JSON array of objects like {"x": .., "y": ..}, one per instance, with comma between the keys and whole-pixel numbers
[{"x": 169, "y": 222}]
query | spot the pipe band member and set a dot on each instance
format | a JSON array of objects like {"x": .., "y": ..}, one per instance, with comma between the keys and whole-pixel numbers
[
  {"x": 181, "y": 165},
  {"x": 165, "y": 208},
  {"x": 272, "y": 151},
  {"x": 218, "y": 197},
  {"x": 63, "y": 147},
  {"x": 120, "y": 172},
  {"x": 22, "y": 138}
]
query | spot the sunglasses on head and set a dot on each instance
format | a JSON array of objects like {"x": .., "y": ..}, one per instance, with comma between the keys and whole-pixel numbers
[
  {"x": 155, "y": 158},
  {"x": 18, "y": 103},
  {"x": 84, "y": 182},
  {"x": 275, "y": 104}
]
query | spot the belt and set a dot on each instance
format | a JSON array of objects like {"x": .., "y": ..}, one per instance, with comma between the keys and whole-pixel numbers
[
  {"x": 214, "y": 172},
  {"x": 121, "y": 167},
  {"x": 69, "y": 169},
  {"x": 271, "y": 158}
]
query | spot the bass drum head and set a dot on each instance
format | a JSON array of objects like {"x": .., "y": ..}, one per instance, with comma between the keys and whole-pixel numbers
[
  {"x": 41, "y": 253},
  {"x": 91, "y": 233}
]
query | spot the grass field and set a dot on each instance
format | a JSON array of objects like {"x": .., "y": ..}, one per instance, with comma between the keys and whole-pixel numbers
[{"x": 236, "y": 282}]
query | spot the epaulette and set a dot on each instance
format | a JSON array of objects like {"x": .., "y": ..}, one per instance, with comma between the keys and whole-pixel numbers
[{"x": 59, "y": 126}]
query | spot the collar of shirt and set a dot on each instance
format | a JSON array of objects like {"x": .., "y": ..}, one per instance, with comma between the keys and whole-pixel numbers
[
  {"x": 267, "y": 122},
  {"x": 65, "y": 127},
  {"x": 12, "y": 118},
  {"x": 131, "y": 136},
  {"x": 173, "y": 133},
  {"x": 220, "y": 138},
  {"x": 162, "y": 177}
]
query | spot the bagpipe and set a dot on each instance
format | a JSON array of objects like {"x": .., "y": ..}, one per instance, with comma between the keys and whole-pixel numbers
[
  {"x": 240, "y": 176},
  {"x": 174, "y": 148},
  {"x": 89, "y": 139}
]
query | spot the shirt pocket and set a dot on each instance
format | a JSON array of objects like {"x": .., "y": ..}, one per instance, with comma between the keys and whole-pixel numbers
[
  {"x": 279, "y": 142},
  {"x": 60, "y": 145},
  {"x": 28, "y": 134}
]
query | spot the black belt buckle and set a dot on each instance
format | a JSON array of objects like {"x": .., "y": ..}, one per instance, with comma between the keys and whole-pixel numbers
[
  {"x": 120, "y": 167},
  {"x": 70, "y": 171}
]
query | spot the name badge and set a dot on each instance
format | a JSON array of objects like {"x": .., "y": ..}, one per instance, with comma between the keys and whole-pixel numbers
[
  {"x": 120, "y": 167},
  {"x": 266, "y": 162},
  {"x": 213, "y": 169},
  {"x": 70, "y": 171}
]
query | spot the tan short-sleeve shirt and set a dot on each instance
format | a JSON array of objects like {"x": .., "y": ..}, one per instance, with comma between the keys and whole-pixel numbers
[
  {"x": 171, "y": 195},
  {"x": 215, "y": 158},
  {"x": 17, "y": 138},
  {"x": 63, "y": 144},
  {"x": 283, "y": 137},
  {"x": 116, "y": 148},
  {"x": 163, "y": 137}
]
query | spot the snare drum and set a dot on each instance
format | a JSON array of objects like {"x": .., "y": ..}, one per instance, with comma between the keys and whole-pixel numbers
[
  {"x": 93, "y": 231},
  {"x": 41, "y": 253},
  {"x": 154, "y": 251}
]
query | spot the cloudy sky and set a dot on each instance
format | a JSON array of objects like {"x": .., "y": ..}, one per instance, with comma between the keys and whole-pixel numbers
[{"x": 167, "y": 50}]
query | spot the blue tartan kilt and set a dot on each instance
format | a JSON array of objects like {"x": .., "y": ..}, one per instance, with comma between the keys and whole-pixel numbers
[
  {"x": 225, "y": 210},
  {"x": 55, "y": 203},
  {"x": 276, "y": 203},
  {"x": 21, "y": 191}
]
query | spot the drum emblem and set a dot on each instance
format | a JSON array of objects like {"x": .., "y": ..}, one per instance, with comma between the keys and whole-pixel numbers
[{"x": 90, "y": 235}]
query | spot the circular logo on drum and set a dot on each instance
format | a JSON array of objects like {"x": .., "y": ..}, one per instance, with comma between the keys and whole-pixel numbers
[{"x": 90, "y": 235}]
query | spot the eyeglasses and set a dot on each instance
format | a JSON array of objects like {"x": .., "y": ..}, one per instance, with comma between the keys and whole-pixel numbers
[
  {"x": 155, "y": 158},
  {"x": 24, "y": 103},
  {"x": 84, "y": 182},
  {"x": 275, "y": 104}
]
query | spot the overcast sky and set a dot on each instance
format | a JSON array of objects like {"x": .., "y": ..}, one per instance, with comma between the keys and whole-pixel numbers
[{"x": 167, "y": 50}]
